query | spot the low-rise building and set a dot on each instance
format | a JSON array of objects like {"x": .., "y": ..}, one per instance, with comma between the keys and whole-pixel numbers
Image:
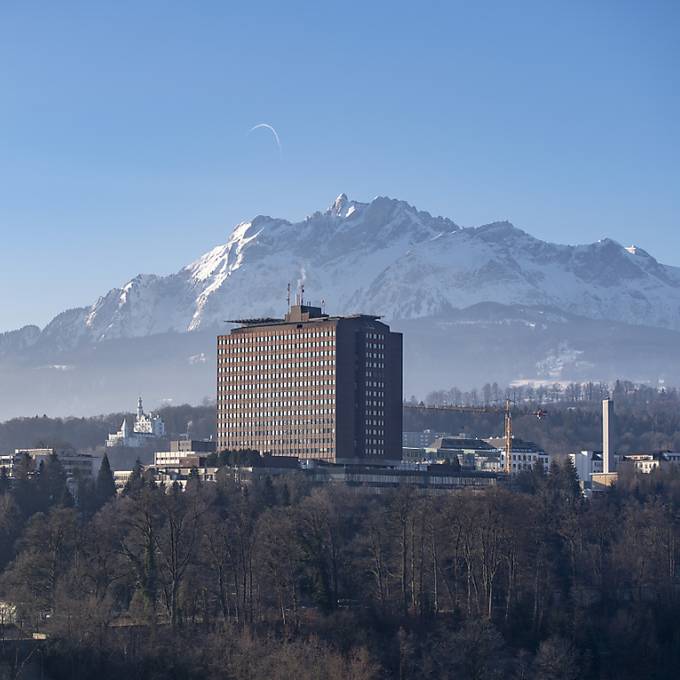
[
  {"x": 648, "y": 462},
  {"x": 470, "y": 453},
  {"x": 121, "y": 478},
  {"x": 168, "y": 477},
  {"x": 525, "y": 454},
  {"x": 421, "y": 439},
  {"x": 186, "y": 453},
  {"x": 76, "y": 465},
  {"x": 428, "y": 477},
  {"x": 411, "y": 454}
]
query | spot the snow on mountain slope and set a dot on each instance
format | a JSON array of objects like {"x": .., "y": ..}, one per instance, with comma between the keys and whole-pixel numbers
[
  {"x": 382, "y": 257},
  {"x": 503, "y": 264}
]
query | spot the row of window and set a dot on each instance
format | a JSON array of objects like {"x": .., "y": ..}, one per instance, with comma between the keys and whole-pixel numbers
[
  {"x": 267, "y": 369},
  {"x": 241, "y": 393},
  {"x": 250, "y": 372},
  {"x": 279, "y": 436},
  {"x": 312, "y": 416},
  {"x": 266, "y": 339},
  {"x": 242, "y": 356},
  {"x": 240, "y": 405}
]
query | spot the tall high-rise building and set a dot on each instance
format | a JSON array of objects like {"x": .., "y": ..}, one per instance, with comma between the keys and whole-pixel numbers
[{"x": 311, "y": 385}]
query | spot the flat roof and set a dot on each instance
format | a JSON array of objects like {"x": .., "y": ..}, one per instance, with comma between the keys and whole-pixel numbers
[{"x": 269, "y": 321}]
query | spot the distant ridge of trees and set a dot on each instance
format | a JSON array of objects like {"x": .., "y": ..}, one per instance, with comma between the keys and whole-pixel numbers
[
  {"x": 625, "y": 392},
  {"x": 646, "y": 418},
  {"x": 88, "y": 433}
]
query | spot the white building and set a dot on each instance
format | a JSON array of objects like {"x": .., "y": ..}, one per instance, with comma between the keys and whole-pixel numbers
[
  {"x": 75, "y": 464},
  {"x": 147, "y": 427},
  {"x": 525, "y": 455},
  {"x": 586, "y": 464},
  {"x": 647, "y": 462}
]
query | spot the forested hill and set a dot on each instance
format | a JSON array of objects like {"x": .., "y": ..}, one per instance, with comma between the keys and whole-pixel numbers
[
  {"x": 88, "y": 433},
  {"x": 646, "y": 419}
]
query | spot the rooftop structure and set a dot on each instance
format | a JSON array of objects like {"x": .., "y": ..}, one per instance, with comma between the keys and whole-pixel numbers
[
  {"x": 420, "y": 439},
  {"x": 187, "y": 453}
]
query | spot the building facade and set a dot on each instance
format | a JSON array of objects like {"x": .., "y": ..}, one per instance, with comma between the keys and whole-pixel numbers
[
  {"x": 184, "y": 452},
  {"x": 525, "y": 455},
  {"x": 76, "y": 465},
  {"x": 586, "y": 463},
  {"x": 472, "y": 454},
  {"x": 420, "y": 440},
  {"x": 648, "y": 462},
  {"x": 311, "y": 385}
]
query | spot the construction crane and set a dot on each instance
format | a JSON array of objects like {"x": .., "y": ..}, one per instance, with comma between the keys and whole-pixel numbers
[{"x": 506, "y": 410}]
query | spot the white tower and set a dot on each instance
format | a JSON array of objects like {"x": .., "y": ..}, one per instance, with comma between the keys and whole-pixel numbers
[{"x": 607, "y": 436}]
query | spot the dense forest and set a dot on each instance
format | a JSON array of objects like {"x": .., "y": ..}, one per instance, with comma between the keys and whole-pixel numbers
[{"x": 281, "y": 580}]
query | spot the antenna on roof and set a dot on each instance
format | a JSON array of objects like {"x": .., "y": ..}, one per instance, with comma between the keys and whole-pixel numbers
[
  {"x": 302, "y": 295},
  {"x": 323, "y": 306},
  {"x": 288, "y": 298}
]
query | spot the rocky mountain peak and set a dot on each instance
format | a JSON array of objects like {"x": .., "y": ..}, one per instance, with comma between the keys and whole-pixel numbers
[{"x": 384, "y": 257}]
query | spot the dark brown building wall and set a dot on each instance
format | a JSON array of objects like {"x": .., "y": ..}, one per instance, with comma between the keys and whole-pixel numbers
[
  {"x": 345, "y": 398},
  {"x": 394, "y": 388}
]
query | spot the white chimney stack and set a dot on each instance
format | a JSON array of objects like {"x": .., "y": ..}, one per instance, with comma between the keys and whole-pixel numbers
[{"x": 607, "y": 436}]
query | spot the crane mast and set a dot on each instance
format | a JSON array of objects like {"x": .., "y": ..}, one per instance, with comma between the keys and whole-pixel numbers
[{"x": 508, "y": 438}]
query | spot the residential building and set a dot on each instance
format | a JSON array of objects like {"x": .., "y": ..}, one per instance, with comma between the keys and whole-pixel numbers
[
  {"x": 76, "y": 465},
  {"x": 648, "y": 462},
  {"x": 311, "y": 385}
]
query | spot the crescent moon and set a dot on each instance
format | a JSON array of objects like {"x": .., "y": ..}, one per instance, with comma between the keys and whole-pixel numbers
[{"x": 273, "y": 131}]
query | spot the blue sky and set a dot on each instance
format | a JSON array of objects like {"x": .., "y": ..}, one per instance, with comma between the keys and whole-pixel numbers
[{"x": 124, "y": 144}]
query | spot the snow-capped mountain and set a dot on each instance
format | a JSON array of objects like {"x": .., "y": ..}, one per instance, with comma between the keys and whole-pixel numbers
[
  {"x": 475, "y": 304},
  {"x": 384, "y": 257}
]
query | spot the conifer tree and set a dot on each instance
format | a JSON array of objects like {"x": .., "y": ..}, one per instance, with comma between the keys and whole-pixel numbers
[
  {"x": 105, "y": 486},
  {"x": 136, "y": 481}
]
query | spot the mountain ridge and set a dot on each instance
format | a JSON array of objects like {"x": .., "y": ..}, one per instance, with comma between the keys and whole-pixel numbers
[{"x": 384, "y": 256}]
